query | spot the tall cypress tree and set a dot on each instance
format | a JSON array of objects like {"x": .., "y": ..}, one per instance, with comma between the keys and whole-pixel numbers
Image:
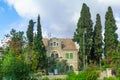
[
  {"x": 30, "y": 33},
  {"x": 83, "y": 34},
  {"x": 111, "y": 42},
  {"x": 39, "y": 46},
  {"x": 97, "y": 40}
]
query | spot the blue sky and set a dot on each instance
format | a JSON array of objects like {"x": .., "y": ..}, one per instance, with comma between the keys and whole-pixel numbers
[
  {"x": 8, "y": 16},
  {"x": 58, "y": 17}
]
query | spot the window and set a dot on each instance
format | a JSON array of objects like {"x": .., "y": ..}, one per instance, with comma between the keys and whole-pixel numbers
[
  {"x": 52, "y": 55},
  {"x": 51, "y": 44},
  {"x": 71, "y": 68},
  {"x": 57, "y": 44},
  {"x": 54, "y": 43},
  {"x": 69, "y": 55},
  {"x": 56, "y": 56}
]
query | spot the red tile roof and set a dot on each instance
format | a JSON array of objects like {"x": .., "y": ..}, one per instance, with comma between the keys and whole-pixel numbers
[{"x": 68, "y": 43}]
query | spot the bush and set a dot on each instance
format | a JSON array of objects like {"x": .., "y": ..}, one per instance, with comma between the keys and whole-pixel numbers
[
  {"x": 109, "y": 78},
  {"x": 14, "y": 68},
  {"x": 90, "y": 73},
  {"x": 45, "y": 78},
  {"x": 58, "y": 79}
]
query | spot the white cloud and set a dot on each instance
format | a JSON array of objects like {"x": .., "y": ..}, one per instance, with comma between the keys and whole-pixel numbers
[
  {"x": 118, "y": 25},
  {"x": 110, "y": 2},
  {"x": 60, "y": 17},
  {"x": 25, "y": 8},
  {"x": 75, "y": 17},
  {"x": 19, "y": 26}
]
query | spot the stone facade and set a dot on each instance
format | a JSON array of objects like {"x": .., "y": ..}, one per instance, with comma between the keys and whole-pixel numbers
[{"x": 62, "y": 48}]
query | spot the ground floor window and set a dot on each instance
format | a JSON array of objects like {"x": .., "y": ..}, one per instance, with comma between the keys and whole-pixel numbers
[{"x": 69, "y": 68}]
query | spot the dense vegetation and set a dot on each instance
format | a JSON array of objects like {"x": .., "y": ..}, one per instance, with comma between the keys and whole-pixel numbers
[
  {"x": 24, "y": 59},
  {"x": 83, "y": 34}
]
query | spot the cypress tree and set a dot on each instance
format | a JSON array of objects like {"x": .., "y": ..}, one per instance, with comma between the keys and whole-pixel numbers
[
  {"x": 84, "y": 32},
  {"x": 30, "y": 33},
  {"x": 111, "y": 42},
  {"x": 97, "y": 40},
  {"x": 39, "y": 46}
]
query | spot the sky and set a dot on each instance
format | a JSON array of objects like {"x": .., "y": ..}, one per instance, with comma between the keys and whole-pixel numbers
[{"x": 58, "y": 17}]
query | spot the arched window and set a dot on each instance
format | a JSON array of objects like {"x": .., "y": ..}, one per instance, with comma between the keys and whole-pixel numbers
[
  {"x": 56, "y": 55},
  {"x": 52, "y": 55},
  {"x": 71, "y": 67}
]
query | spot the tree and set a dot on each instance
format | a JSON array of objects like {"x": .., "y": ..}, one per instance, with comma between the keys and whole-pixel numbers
[
  {"x": 14, "y": 68},
  {"x": 119, "y": 46},
  {"x": 39, "y": 46},
  {"x": 16, "y": 41},
  {"x": 83, "y": 34},
  {"x": 30, "y": 33},
  {"x": 31, "y": 58},
  {"x": 60, "y": 65},
  {"x": 111, "y": 42},
  {"x": 97, "y": 40}
]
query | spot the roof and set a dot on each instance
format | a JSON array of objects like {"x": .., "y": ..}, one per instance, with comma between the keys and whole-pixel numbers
[{"x": 69, "y": 44}]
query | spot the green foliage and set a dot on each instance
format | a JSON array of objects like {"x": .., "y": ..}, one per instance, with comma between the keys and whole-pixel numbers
[
  {"x": 31, "y": 58},
  {"x": 45, "y": 78},
  {"x": 110, "y": 78},
  {"x": 90, "y": 73},
  {"x": 16, "y": 36},
  {"x": 83, "y": 76},
  {"x": 73, "y": 76},
  {"x": 30, "y": 33},
  {"x": 0, "y": 70},
  {"x": 16, "y": 42},
  {"x": 61, "y": 66},
  {"x": 97, "y": 40},
  {"x": 111, "y": 42},
  {"x": 84, "y": 25},
  {"x": 56, "y": 64},
  {"x": 39, "y": 46},
  {"x": 119, "y": 46},
  {"x": 14, "y": 68},
  {"x": 59, "y": 79}
]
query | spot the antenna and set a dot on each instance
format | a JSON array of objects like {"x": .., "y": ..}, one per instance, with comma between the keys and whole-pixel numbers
[{"x": 49, "y": 35}]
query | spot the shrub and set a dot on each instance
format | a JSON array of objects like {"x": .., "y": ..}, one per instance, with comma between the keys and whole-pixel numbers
[
  {"x": 109, "y": 78},
  {"x": 90, "y": 73},
  {"x": 14, "y": 68},
  {"x": 45, "y": 78}
]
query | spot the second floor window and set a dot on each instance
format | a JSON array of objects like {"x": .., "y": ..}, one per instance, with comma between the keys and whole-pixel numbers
[
  {"x": 54, "y": 44},
  {"x": 69, "y": 55}
]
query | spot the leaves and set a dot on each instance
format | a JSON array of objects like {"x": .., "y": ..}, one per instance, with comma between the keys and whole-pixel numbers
[{"x": 111, "y": 42}]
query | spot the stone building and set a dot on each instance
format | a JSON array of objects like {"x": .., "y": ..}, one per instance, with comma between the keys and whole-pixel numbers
[{"x": 62, "y": 48}]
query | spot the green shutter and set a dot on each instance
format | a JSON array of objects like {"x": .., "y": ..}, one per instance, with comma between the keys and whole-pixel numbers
[
  {"x": 71, "y": 55},
  {"x": 67, "y": 55}
]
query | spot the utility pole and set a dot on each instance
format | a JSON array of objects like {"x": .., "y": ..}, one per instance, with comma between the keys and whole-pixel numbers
[{"x": 84, "y": 53}]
